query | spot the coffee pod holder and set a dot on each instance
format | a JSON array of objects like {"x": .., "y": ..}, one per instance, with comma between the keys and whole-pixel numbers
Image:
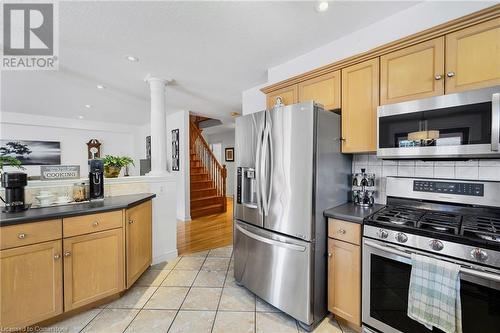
[{"x": 363, "y": 188}]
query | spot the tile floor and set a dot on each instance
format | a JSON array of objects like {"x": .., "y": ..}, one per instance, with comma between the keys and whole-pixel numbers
[{"x": 193, "y": 293}]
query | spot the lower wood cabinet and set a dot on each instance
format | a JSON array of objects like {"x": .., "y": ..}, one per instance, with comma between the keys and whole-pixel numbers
[
  {"x": 138, "y": 240},
  {"x": 344, "y": 280},
  {"x": 31, "y": 284},
  {"x": 94, "y": 267}
]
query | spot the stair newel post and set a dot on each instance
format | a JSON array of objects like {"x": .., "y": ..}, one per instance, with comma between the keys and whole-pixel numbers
[{"x": 224, "y": 175}]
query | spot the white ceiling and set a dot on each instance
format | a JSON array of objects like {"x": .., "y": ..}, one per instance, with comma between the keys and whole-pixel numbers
[{"x": 213, "y": 51}]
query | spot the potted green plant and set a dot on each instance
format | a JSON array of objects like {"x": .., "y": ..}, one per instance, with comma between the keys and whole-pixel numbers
[
  {"x": 114, "y": 164},
  {"x": 10, "y": 161}
]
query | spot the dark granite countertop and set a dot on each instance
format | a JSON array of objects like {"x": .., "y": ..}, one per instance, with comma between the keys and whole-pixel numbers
[
  {"x": 351, "y": 212},
  {"x": 57, "y": 212}
]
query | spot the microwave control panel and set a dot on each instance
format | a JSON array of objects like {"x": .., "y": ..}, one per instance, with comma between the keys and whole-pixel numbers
[{"x": 471, "y": 189}]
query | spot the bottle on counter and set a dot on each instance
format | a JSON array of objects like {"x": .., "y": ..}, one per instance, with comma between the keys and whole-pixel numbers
[{"x": 79, "y": 192}]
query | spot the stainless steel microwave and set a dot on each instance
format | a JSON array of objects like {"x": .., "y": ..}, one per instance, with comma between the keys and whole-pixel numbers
[{"x": 461, "y": 125}]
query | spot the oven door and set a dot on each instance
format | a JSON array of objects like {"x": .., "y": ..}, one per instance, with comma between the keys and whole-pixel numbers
[
  {"x": 386, "y": 279},
  {"x": 465, "y": 124}
]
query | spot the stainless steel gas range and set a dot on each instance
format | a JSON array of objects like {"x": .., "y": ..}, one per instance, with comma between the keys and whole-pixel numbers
[{"x": 456, "y": 221}]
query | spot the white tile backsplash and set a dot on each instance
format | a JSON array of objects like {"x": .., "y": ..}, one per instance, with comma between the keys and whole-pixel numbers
[
  {"x": 425, "y": 172},
  {"x": 467, "y": 172},
  {"x": 470, "y": 169},
  {"x": 489, "y": 173}
]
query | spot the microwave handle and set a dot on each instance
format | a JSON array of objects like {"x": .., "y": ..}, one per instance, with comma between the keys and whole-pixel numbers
[
  {"x": 465, "y": 270},
  {"x": 495, "y": 121}
]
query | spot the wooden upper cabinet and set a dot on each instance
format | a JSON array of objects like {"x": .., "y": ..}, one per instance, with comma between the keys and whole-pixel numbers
[
  {"x": 344, "y": 280},
  {"x": 324, "y": 89},
  {"x": 413, "y": 72},
  {"x": 93, "y": 267},
  {"x": 360, "y": 98},
  {"x": 289, "y": 95},
  {"x": 31, "y": 284},
  {"x": 473, "y": 57},
  {"x": 138, "y": 240}
]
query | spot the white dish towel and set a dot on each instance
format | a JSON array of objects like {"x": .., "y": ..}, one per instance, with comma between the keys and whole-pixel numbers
[{"x": 434, "y": 294}]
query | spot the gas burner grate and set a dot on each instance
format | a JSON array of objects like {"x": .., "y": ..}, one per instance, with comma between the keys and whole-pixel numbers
[
  {"x": 484, "y": 227},
  {"x": 398, "y": 215},
  {"x": 441, "y": 222}
]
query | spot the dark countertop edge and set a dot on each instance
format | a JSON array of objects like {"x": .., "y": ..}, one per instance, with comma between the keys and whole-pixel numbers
[
  {"x": 79, "y": 212},
  {"x": 351, "y": 212}
]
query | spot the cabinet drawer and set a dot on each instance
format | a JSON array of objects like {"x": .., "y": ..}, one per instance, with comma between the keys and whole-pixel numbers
[
  {"x": 29, "y": 233},
  {"x": 344, "y": 231},
  {"x": 85, "y": 224}
]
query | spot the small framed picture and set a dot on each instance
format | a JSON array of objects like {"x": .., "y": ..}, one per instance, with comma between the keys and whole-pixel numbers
[{"x": 229, "y": 154}]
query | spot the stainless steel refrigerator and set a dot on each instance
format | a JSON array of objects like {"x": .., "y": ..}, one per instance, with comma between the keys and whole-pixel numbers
[{"x": 289, "y": 170}]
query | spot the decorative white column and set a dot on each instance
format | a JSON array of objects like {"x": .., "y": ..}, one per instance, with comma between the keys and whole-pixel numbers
[{"x": 158, "y": 126}]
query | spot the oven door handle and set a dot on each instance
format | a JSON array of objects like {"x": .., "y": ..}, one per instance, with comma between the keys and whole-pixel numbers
[
  {"x": 495, "y": 121},
  {"x": 465, "y": 270}
]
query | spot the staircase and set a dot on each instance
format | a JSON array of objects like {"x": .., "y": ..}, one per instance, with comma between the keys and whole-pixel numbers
[{"x": 208, "y": 177}]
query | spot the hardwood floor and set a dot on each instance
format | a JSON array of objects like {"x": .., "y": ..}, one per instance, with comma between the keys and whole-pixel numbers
[{"x": 206, "y": 232}]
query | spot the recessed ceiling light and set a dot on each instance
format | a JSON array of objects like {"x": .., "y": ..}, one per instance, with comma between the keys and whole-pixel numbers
[
  {"x": 88, "y": 106},
  {"x": 101, "y": 86},
  {"x": 321, "y": 6},
  {"x": 132, "y": 58},
  {"x": 80, "y": 117}
]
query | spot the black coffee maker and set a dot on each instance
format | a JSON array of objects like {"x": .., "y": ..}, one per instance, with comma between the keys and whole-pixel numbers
[
  {"x": 14, "y": 183},
  {"x": 96, "y": 179}
]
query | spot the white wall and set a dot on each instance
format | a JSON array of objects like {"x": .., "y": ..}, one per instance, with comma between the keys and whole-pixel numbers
[
  {"x": 180, "y": 120},
  {"x": 116, "y": 139},
  {"x": 412, "y": 20},
  {"x": 227, "y": 140}
]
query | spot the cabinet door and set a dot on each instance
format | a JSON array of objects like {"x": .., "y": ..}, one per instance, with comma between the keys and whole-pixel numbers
[
  {"x": 344, "y": 280},
  {"x": 289, "y": 95},
  {"x": 360, "y": 98},
  {"x": 413, "y": 72},
  {"x": 324, "y": 89},
  {"x": 473, "y": 57},
  {"x": 138, "y": 241},
  {"x": 93, "y": 267},
  {"x": 31, "y": 284}
]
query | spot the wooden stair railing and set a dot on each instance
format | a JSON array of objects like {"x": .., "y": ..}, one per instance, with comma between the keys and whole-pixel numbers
[{"x": 217, "y": 173}]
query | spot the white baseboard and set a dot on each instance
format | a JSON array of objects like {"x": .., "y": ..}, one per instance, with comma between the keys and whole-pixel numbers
[
  {"x": 165, "y": 257},
  {"x": 184, "y": 218}
]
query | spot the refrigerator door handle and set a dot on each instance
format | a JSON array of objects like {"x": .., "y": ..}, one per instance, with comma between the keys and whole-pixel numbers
[
  {"x": 258, "y": 168},
  {"x": 269, "y": 241},
  {"x": 263, "y": 176},
  {"x": 271, "y": 163}
]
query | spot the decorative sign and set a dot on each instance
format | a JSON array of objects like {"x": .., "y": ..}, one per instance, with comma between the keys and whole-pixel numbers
[{"x": 57, "y": 172}]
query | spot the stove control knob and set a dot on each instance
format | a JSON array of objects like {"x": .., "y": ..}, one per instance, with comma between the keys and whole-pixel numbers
[
  {"x": 479, "y": 255},
  {"x": 381, "y": 233},
  {"x": 436, "y": 245},
  {"x": 401, "y": 237}
]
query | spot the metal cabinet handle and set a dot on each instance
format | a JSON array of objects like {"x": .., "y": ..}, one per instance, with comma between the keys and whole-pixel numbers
[
  {"x": 438, "y": 77},
  {"x": 95, "y": 223},
  {"x": 57, "y": 256},
  {"x": 130, "y": 221},
  {"x": 329, "y": 254},
  {"x": 342, "y": 231},
  {"x": 67, "y": 254},
  {"x": 21, "y": 236},
  {"x": 495, "y": 121},
  {"x": 450, "y": 74}
]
